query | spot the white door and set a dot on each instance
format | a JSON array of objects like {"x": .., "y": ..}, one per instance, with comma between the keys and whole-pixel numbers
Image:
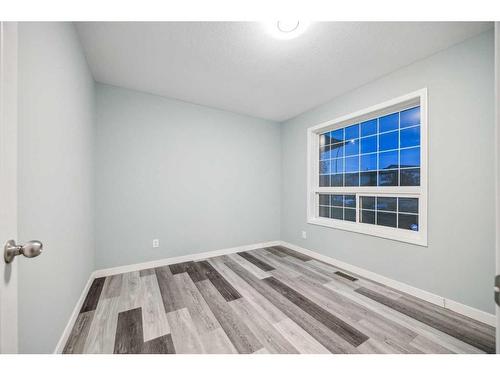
[
  {"x": 497, "y": 115},
  {"x": 8, "y": 183}
]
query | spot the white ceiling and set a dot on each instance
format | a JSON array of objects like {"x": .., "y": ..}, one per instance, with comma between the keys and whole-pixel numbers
[{"x": 239, "y": 67}]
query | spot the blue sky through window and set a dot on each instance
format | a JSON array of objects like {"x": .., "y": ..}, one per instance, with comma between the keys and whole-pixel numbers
[{"x": 383, "y": 151}]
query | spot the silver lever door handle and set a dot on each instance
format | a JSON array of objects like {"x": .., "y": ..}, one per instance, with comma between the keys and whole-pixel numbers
[{"x": 30, "y": 249}]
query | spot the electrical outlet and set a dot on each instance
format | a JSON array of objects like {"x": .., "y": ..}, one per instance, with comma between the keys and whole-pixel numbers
[
  {"x": 156, "y": 242},
  {"x": 304, "y": 234}
]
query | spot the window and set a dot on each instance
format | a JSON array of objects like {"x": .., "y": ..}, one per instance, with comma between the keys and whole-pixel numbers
[
  {"x": 395, "y": 212},
  {"x": 368, "y": 171},
  {"x": 336, "y": 206}
]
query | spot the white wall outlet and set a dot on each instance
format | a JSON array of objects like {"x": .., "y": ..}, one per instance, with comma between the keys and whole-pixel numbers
[
  {"x": 304, "y": 234},
  {"x": 156, "y": 242}
]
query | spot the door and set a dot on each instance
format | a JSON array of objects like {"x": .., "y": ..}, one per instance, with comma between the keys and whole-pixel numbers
[
  {"x": 497, "y": 148},
  {"x": 8, "y": 183}
]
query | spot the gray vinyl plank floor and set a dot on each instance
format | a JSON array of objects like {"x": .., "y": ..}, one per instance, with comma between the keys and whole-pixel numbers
[{"x": 264, "y": 301}]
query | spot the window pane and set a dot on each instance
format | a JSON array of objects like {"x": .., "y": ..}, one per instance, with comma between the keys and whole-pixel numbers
[
  {"x": 369, "y": 127},
  {"x": 367, "y": 217},
  {"x": 387, "y": 203},
  {"x": 324, "y": 199},
  {"x": 337, "y": 150},
  {"x": 337, "y": 206},
  {"x": 410, "y": 177},
  {"x": 330, "y": 153},
  {"x": 352, "y": 179},
  {"x": 337, "y": 200},
  {"x": 324, "y": 211},
  {"x": 369, "y": 144},
  {"x": 337, "y": 213},
  {"x": 337, "y": 166},
  {"x": 408, "y": 222},
  {"x": 350, "y": 201},
  {"x": 336, "y": 180},
  {"x": 324, "y": 180},
  {"x": 388, "y": 160},
  {"x": 410, "y": 117},
  {"x": 387, "y": 219},
  {"x": 368, "y": 179},
  {"x": 352, "y": 147},
  {"x": 323, "y": 154},
  {"x": 410, "y": 157},
  {"x": 326, "y": 164},
  {"x": 368, "y": 162},
  {"x": 408, "y": 205},
  {"x": 383, "y": 151},
  {"x": 349, "y": 214},
  {"x": 389, "y": 211},
  {"x": 388, "y": 178},
  {"x": 388, "y": 141},
  {"x": 352, "y": 132},
  {"x": 410, "y": 137},
  {"x": 368, "y": 203},
  {"x": 352, "y": 164},
  {"x": 337, "y": 135},
  {"x": 389, "y": 122}
]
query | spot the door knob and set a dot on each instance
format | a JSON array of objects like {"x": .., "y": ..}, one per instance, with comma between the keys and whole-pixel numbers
[
  {"x": 30, "y": 249},
  {"x": 497, "y": 290}
]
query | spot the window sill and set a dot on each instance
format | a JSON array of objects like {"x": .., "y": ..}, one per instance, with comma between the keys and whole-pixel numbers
[{"x": 402, "y": 235}]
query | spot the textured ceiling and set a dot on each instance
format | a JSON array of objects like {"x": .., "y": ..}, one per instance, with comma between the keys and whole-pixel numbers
[{"x": 239, "y": 67}]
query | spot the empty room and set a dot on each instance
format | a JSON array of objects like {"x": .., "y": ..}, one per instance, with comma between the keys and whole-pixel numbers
[{"x": 281, "y": 187}]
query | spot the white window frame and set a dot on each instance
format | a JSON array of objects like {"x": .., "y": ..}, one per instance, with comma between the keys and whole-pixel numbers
[{"x": 419, "y": 237}]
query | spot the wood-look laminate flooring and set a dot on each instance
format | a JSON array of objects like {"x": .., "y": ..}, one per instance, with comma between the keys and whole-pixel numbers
[{"x": 271, "y": 300}]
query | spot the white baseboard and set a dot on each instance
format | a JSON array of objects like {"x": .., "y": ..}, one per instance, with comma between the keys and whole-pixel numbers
[
  {"x": 67, "y": 330},
  {"x": 180, "y": 259},
  {"x": 458, "y": 307},
  {"x": 471, "y": 312}
]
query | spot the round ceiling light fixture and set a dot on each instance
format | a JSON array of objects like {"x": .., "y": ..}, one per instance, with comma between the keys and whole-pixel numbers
[
  {"x": 287, "y": 29},
  {"x": 288, "y": 26}
]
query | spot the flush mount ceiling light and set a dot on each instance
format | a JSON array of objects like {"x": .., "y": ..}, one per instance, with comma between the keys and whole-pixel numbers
[
  {"x": 286, "y": 29},
  {"x": 288, "y": 26}
]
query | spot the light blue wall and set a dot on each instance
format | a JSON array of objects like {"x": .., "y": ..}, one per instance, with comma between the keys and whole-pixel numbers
[
  {"x": 55, "y": 179},
  {"x": 459, "y": 261},
  {"x": 196, "y": 178}
]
